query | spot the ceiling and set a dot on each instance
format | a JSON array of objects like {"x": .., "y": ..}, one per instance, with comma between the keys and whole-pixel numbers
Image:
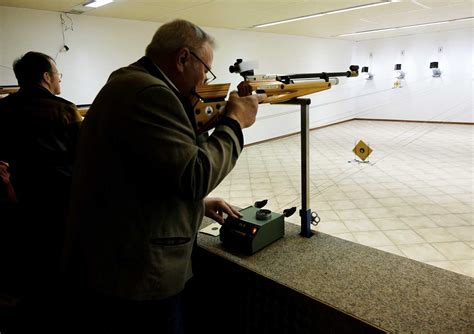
[{"x": 244, "y": 14}]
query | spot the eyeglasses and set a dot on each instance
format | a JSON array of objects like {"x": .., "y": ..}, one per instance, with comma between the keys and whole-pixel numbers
[
  {"x": 209, "y": 75},
  {"x": 60, "y": 75}
]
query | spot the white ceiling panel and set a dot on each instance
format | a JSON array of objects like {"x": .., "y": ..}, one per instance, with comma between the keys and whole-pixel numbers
[{"x": 245, "y": 14}]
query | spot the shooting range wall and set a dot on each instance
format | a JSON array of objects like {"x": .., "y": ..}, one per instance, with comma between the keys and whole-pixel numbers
[{"x": 98, "y": 45}]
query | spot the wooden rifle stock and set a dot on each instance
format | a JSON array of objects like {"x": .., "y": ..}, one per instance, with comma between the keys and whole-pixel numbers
[
  {"x": 211, "y": 107},
  {"x": 5, "y": 90},
  {"x": 278, "y": 92},
  {"x": 83, "y": 109}
]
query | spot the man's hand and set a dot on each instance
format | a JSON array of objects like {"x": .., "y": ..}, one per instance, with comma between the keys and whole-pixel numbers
[
  {"x": 216, "y": 207},
  {"x": 243, "y": 109}
]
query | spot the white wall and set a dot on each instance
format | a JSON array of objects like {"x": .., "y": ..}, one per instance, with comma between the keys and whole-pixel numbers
[
  {"x": 283, "y": 54},
  {"x": 97, "y": 47},
  {"x": 422, "y": 97},
  {"x": 100, "y": 45}
]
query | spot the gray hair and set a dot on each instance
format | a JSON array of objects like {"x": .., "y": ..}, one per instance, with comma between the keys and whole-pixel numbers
[{"x": 174, "y": 35}]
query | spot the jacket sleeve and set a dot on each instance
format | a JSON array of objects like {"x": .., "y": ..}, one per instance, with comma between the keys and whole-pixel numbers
[
  {"x": 6, "y": 135},
  {"x": 159, "y": 136}
]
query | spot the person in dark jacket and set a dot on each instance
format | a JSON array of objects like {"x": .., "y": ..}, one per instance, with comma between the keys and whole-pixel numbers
[
  {"x": 142, "y": 178},
  {"x": 38, "y": 135}
]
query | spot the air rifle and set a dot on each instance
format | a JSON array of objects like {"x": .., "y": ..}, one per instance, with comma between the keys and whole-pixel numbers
[
  {"x": 5, "y": 90},
  {"x": 278, "y": 88}
]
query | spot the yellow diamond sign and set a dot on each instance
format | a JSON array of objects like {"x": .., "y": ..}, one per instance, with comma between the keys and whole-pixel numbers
[{"x": 362, "y": 150}]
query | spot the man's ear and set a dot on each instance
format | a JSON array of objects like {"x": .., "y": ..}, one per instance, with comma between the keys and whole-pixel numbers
[
  {"x": 47, "y": 81},
  {"x": 47, "y": 77},
  {"x": 182, "y": 58}
]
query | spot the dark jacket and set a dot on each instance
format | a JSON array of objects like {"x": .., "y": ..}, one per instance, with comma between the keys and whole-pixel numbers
[
  {"x": 139, "y": 184},
  {"x": 38, "y": 135}
]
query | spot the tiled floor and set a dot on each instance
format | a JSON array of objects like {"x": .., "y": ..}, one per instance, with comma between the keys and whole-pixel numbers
[{"x": 414, "y": 197}]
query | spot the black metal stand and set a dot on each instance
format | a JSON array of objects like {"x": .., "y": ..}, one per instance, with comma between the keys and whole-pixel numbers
[
  {"x": 247, "y": 72},
  {"x": 305, "y": 212}
]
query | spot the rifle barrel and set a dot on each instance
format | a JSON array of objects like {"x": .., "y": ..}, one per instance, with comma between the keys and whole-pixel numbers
[
  {"x": 353, "y": 72},
  {"x": 322, "y": 75}
]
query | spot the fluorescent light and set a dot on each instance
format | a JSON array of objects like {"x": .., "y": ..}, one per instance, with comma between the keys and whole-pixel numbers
[
  {"x": 288, "y": 20},
  {"x": 405, "y": 27},
  {"x": 423, "y": 25},
  {"x": 337, "y": 11},
  {"x": 356, "y": 7},
  {"x": 464, "y": 19},
  {"x": 98, "y": 3}
]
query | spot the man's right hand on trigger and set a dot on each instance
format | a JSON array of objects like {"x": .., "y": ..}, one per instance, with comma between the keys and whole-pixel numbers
[{"x": 243, "y": 109}]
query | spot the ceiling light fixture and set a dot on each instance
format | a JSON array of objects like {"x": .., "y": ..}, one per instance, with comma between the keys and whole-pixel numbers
[
  {"x": 419, "y": 4},
  {"x": 97, "y": 3},
  {"x": 337, "y": 11},
  {"x": 356, "y": 7},
  {"x": 405, "y": 27},
  {"x": 288, "y": 20}
]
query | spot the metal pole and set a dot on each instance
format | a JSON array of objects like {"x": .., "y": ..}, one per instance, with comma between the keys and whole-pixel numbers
[{"x": 305, "y": 211}]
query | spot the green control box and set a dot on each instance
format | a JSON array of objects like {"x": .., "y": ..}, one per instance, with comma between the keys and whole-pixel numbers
[{"x": 256, "y": 229}]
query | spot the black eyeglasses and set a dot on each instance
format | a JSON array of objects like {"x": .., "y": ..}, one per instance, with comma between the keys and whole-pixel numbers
[{"x": 209, "y": 75}]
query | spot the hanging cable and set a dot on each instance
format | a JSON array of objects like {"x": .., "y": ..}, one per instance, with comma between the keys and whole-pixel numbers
[{"x": 66, "y": 24}]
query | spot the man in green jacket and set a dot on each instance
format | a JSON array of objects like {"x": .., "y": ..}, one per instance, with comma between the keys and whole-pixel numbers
[{"x": 142, "y": 177}]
